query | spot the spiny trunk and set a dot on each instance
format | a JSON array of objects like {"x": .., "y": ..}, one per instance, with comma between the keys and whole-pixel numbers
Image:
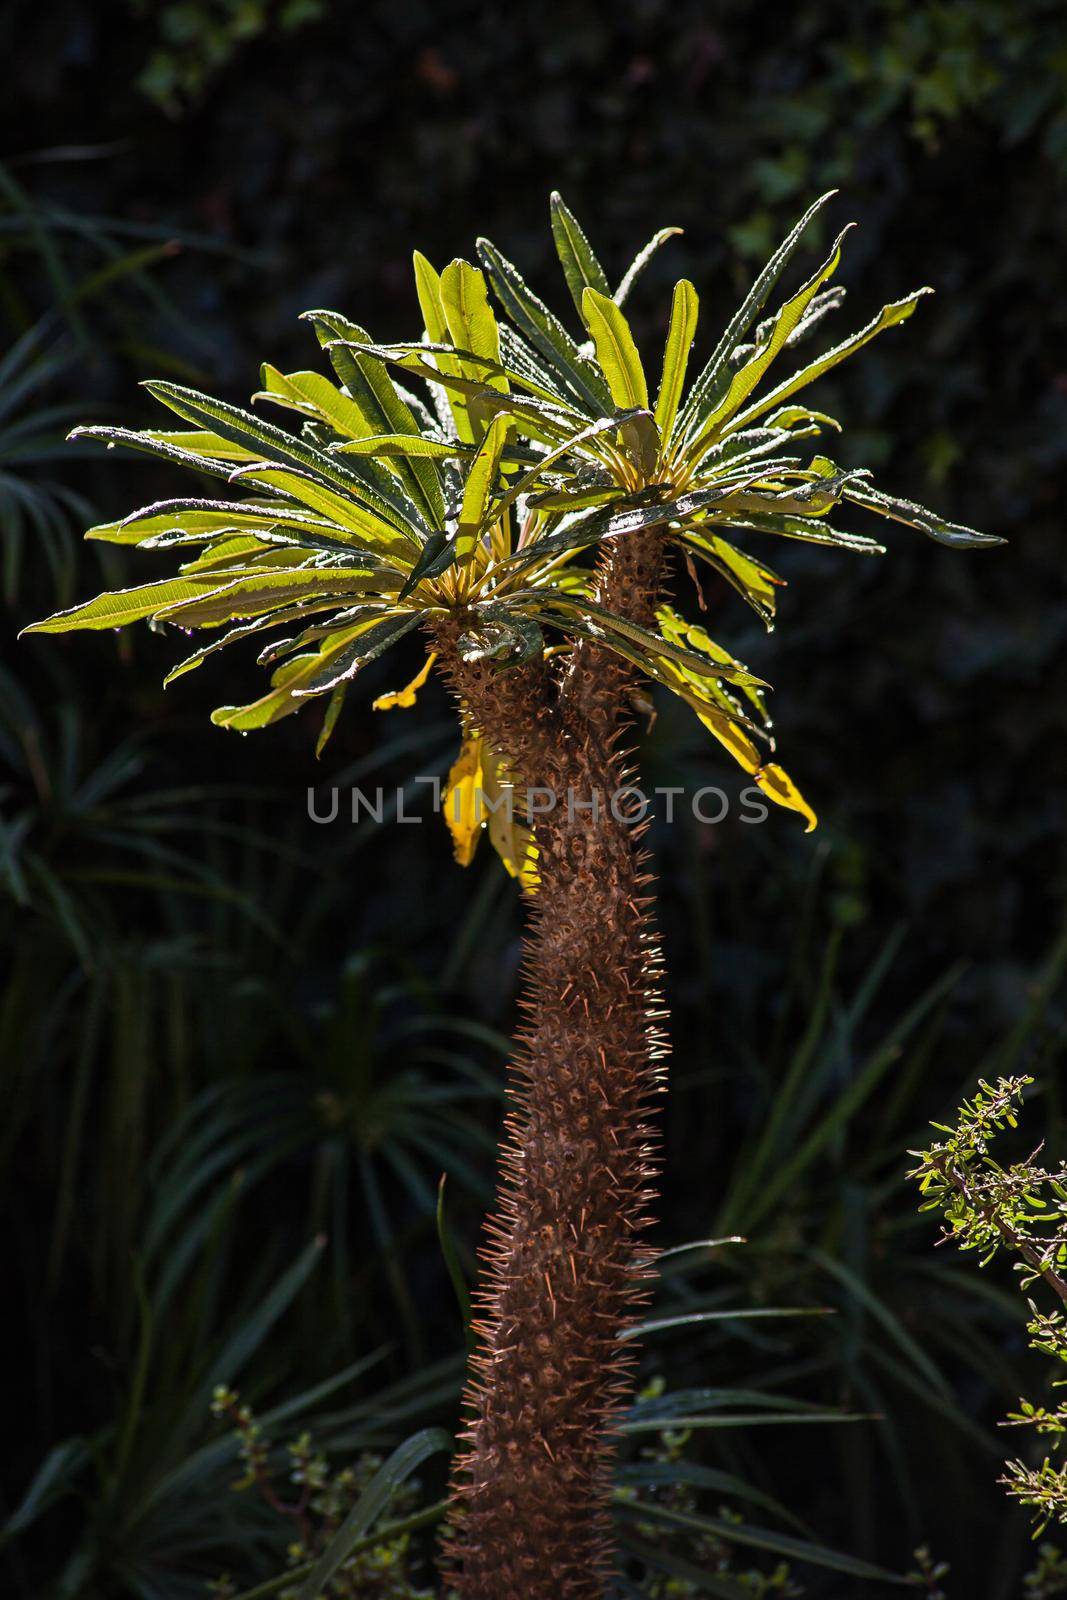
[
  {"x": 565, "y": 1268},
  {"x": 597, "y": 682}
]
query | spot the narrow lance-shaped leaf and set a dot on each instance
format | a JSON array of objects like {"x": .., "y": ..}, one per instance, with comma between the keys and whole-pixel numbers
[
  {"x": 280, "y": 700},
  {"x": 616, "y": 351},
  {"x": 756, "y": 583},
  {"x": 544, "y": 330},
  {"x": 374, "y": 533},
  {"x": 244, "y": 630},
  {"x": 813, "y": 529},
  {"x": 478, "y": 488},
  {"x": 118, "y": 607},
  {"x": 640, "y": 262},
  {"x": 247, "y": 595},
  {"x": 685, "y": 307},
  {"x": 431, "y": 303},
  {"x": 580, "y": 266},
  {"x": 889, "y": 317},
  {"x": 915, "y": 516},
  {"x": 354, "y": 477},
  {"x": 651, "y": 643},
  {"x": 745, "y": 316},
  {"x": 196, "y": 519},
  {"x": 405, "y": 1459},
  {"x": 438, "y": 554},
  {"x": 312, "y": 395},
  {"x": 746, "y": 379},
  {"x": 383, "y": 408},
  {"x": 199, "y": 456},
  {"x": 543, "y": 419},
  {"x": 360, "y": 653},
  {"x": 471, "y": 323},
  {"x": 329, "y": 721},
  {"x": 403, "y": 444}
]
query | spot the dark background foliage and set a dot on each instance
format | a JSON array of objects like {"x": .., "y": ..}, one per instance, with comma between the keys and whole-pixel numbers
[{"x": 227, "y": 1030}]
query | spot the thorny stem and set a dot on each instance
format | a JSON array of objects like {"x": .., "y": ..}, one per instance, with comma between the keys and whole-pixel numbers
[{"x": 565, "y": 1267}]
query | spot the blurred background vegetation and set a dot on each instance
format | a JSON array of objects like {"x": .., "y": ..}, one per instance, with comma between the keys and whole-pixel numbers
[{"x": 240, "y": 1049}]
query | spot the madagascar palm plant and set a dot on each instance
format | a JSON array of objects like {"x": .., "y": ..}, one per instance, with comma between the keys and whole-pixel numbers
[{"x": 524, "y": 511}]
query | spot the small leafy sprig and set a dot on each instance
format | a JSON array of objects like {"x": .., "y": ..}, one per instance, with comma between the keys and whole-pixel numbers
[
  {"x": 1021, "y": 1208},
  {"x": 1049, "y": 1577},
  {"x": 315, "y": 1507}
]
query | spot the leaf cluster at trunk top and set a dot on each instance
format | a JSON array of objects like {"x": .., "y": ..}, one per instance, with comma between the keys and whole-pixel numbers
[{"x": 489, "y": 492}]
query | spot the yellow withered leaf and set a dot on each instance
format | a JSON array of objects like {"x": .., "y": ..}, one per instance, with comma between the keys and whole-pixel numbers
[
  {"x": 780, "y": 788},
  {"x": 513, "y": 842},
  {"x": 476, "y": 797},
  {"x": 464, "y": 802},
  {"x": 397, "y": 699}
]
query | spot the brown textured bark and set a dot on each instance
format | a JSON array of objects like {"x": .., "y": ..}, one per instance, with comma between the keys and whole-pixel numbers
[
  {"x": 597, "y": 682},
  {"x": 565, "y": 1268}
]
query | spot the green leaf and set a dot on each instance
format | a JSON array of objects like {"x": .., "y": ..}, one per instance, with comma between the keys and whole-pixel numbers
[
  {"x": 748, "y": 376},
  {"x": 640, "y": 262},
  {"x": 359, "y": 653},
  {"x": 271, "y": 707},
  {"x": 403, "y": 444},
  {"x": 380, "y": 404},
  {"x": 782, "y": 1544},
  {"x": 191, "y": 522},
  {"x": 346, "y": 514},
  {"x": 405, "y": 1460},
  {"x": 757, "y": 584},
  {"x": 428, "y": 287},
  {"x": 428, "y": 290},
  {"x": 454, "y": 1267},
  {"x": 635, "y": 519},
  {"x": 313, "y": 395},
  {"x": 641, "y": 441},
  {"x": 329, "y": 721},
  {"x": 889, "y": 317},
  {"x": 249, "y": 596},
  {"x": 651, "y": 644},
  {"x": 352, "y": 476},
  {"x": 692, "y": 1319},
  {"x": 54, "y": 1478},
  {"x": 662, "y": 1474},
  {"x": 580, "y": 266},
  {"x": 276, "y": 619},
  {"x": 158, "y": 444},
  {"x": 118, "y": 607},
  {"x": 814, "y": 529},
  {"x": 819, "y": 490},
  {"x": 616, "y": 351},
  {"x": 915, "y": 516},
  {"x": 745, "y": 316},
  {"x": 544, "y": 331},
  {"x": 471, "y": 323},
  {"x": 250, "y": 1334},
  {"x": 438, "y": 554},
  {"x": 544, "y": 418},
  {"x": 478, "y": 488},
  {"x": 684, "y": 310},
  {"x": 199, "y": 442}
]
